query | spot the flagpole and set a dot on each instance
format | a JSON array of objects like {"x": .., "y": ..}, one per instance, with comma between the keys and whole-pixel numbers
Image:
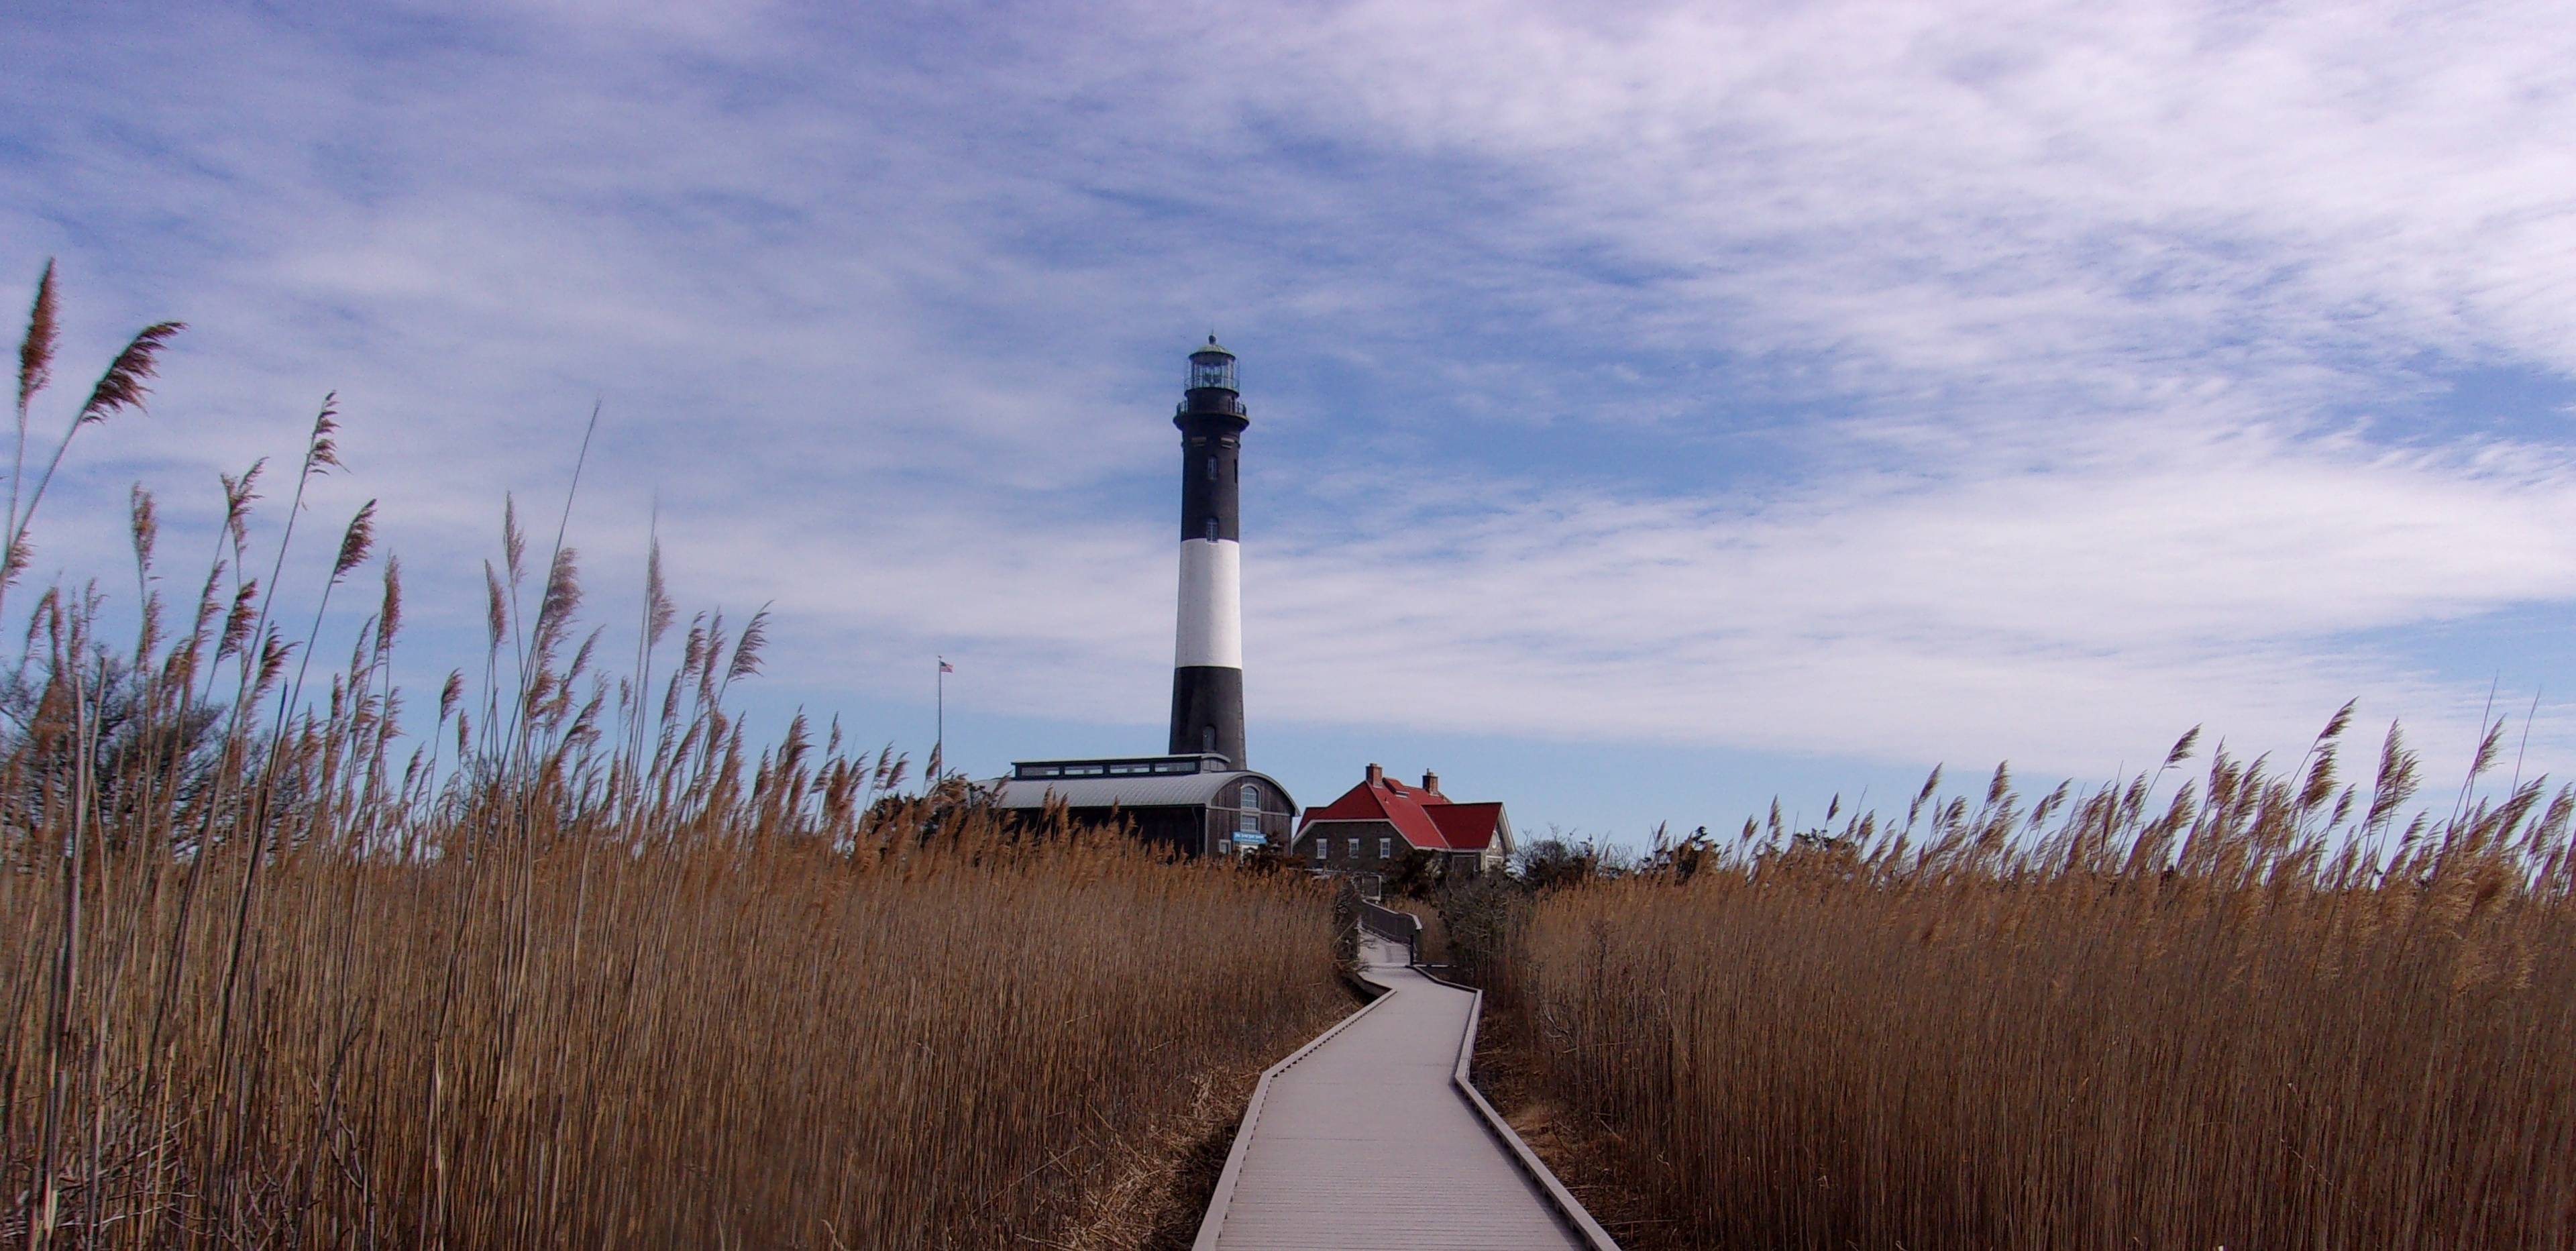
[{"x": 939, "y": 745}]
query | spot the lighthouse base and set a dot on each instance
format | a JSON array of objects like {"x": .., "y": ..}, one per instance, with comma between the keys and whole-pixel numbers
[{"x": 1207, "y": 712}]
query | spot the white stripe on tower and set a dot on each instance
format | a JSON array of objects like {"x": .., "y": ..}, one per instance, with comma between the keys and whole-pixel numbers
[{"x": 1211, "y": 625}]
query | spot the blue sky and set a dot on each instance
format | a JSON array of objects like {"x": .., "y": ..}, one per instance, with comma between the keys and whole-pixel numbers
[{"x": 1657, "y": 408}]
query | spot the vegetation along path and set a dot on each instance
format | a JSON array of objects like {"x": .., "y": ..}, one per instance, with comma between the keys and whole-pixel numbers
[{"x": 1369, "y": 1138}]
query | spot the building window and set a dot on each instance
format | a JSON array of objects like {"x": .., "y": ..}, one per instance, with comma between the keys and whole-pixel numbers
[
  {"x": 1386, "y": 849},
  {"x": 1355, "y": 849}
]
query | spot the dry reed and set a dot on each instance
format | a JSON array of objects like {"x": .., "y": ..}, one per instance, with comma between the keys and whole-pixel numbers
[
  {"x": 581, "y": 964},
  {"x": 2258, "y": 1015}
]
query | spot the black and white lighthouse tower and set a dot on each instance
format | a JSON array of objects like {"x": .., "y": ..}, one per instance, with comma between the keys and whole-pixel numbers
[{"x": 1207, "y": 661}]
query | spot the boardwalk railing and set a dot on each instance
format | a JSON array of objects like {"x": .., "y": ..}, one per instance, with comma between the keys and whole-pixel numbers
[
  {"x": 1394, "y": 927},
  {"x": 1351, "y": 1141},
  {"x": 1212, "y": 1224},
  {"x": 1567, "y": 1206}
]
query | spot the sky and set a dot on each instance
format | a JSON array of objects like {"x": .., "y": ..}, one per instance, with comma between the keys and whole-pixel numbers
[{"x": 1657, "y": 409}]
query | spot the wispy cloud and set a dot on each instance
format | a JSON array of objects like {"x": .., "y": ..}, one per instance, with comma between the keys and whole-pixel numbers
[
  {"x": 1871, "y": 380},
  {"x": 2020, "y": 184}
]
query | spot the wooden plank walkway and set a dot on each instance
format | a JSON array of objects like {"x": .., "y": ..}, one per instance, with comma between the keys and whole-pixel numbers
[{"x": 1363, "y": 1142}]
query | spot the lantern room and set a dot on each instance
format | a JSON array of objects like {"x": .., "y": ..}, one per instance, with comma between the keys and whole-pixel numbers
[{"x": 1212, "y": 369}]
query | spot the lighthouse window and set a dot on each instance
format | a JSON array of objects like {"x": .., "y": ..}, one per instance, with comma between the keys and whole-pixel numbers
[
  {"x": 1211, "y": 529},
  {"x": 1211, "y": 466}
]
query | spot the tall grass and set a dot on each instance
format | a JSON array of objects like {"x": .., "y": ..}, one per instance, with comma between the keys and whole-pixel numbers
[
  {"x": 579, "y": 963},
  {"x": 2259, "y": 1014}
]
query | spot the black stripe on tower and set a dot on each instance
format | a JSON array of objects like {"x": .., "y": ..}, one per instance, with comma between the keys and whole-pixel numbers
[
  {"x": 1211, "y": 468},
  {"x": 1207, "y": 712}
]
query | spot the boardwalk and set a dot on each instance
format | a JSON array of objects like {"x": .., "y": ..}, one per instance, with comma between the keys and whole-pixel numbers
[{"x": 1363, "y": 1142}]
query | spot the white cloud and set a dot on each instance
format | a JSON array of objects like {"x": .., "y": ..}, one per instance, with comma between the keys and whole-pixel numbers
[
  {"x": 884, "y": 317},
  {"x": 2018, "y": 189},
  {"x": 2051, "y": 618}
]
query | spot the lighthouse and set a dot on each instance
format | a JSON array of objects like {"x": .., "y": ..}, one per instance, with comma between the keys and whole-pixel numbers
[
  {"x": 1200, "y": 799},
  {"x": 1207, "y": 660}
]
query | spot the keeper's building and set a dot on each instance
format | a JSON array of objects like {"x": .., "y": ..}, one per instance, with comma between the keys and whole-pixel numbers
[{"x": 1370, "y": 830}]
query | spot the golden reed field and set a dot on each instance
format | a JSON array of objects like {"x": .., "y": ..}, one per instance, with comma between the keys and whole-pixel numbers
[
  {"x": 562, "y": 959},
  {"x": 565, "y": 957},
  {"x": 2254, "y": 1013}
]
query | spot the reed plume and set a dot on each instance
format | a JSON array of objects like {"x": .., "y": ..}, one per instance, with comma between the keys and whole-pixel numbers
[
  {"x": 2256, "y": 1016},
  {"x": 576, "y": 966}
]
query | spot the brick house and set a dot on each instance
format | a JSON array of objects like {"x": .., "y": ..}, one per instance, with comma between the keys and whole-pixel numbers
[{"x": 1376, "y": 824}]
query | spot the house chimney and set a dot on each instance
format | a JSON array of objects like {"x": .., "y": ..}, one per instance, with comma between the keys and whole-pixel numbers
[
  {"x": 1376, "y": 775},
  {"x": 1431, "y": 781}
]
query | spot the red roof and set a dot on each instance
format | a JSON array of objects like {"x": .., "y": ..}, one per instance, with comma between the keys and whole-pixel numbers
[
  {"x": 1469, "y": 827},
  {"x": 1426, "y": 819}
]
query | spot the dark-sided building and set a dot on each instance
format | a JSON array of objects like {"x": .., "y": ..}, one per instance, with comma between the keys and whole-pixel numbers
[
  {"x": 1197, "y": 805},
  {"x": 1376, "y": 824}
]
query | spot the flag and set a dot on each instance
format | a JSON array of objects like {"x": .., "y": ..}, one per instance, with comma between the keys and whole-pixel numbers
[{"x": 945, "y": 667}]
